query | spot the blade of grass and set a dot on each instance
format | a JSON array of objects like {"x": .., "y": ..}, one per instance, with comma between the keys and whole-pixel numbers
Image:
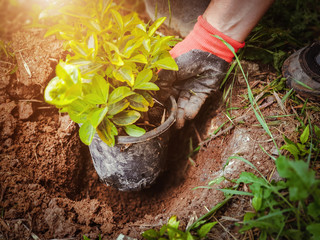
[
  {"x": 287, "y": 95},
  {"x": 212, "y": 211},
  {"x": 254, "y": 104}
]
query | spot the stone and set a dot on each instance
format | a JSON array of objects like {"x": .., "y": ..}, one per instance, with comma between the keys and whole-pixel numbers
[{"x": 25, "y": 110}]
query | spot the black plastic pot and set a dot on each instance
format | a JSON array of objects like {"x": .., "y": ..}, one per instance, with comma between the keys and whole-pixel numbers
[
  {"x": 302, "y": 69},
  {"x": 134, "y": 163}
]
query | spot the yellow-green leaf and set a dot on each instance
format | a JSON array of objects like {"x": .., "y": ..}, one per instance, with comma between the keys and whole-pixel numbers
[
  {"x": 107, "y": 132},
  {"x": 166, "y": 63},
  {"x": 134, "y": 131},
  {"x": 153, "y": 28},
  {"x": 79, "y": 48},
  {"x": 117, "y": 107},
  {"x": 97, "y": 115},
  {"x": 143, "y": 77},
  {"x": 86, "y": 132},
  {"x": 118, "y": 19},
  {"x": 118, "y": 94},
  {"x": 139, "y": 58},
  {"x": 101, "y": 88},
  {"x": 138, "y": 102},
  {"x": 126, "y": 117},
  {"x": 68, "y": 73},
  {"x": 93, "y": 44},
  {"x": 124, "y": 74}
]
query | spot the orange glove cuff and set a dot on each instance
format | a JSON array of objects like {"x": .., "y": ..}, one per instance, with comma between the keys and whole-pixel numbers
[{"x": 202, "y": 38}]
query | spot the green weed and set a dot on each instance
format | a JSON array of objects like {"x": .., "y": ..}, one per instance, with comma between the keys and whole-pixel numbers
[{"x": 171, "y": 231}]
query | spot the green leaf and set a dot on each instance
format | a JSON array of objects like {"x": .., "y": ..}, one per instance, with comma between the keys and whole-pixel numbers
[
  {"x": 230, "y": 191},
  {"x": 97, "y": 115},
  {"x": 118, "y": 94},
  {"x": 116, "y": 15},
  {"x": 166, "y": 63},
  {"x": 151, "y": 234},
  {"x": 305, "y": 135},
  {"x": 60, "y": 28},
  {"x": 314, "y": 229},
  {"x": 293, "y": 149},
  {"x": 107, "y": 132},
  {"x": 139, "y": 58},
  {"x": 248, "y": 177},
  {"x": 87, "y": 132},
  {"x": 148, "y": 97},
  {"x": 117, "y": 60},
  {"x": 161, "y": 44},
  {"x": 68, "y": 73},
  {"x": 134, "y": 131},
  {"x": 126, "y": 117},
  {"x": 54, "y": 92},
  {"x": 85, "y": 237},
  {"x": 111, "y": 47},
  {"x": 163, "y": 229},
  {"x": 93, "y": 67},
  {"x": 143, "y": 77},
  {"x": 79, "y": 49},
  {"x": 153, "y": 28},
  {"x": 142, "y": 81},
  {"x": 189, "y": 236},
  {"x": 148, "y": 86},
  {"x": 138, "y": 102},
  {"x": 93, "y": 98},
  {"x": 101, "y": 88},
  {"x": 257, "y": 199},
  {"x": 78, "y": 111},
  {"x": 93, "y": 44},
  {"x": 205, "y": 229},
  {"x": 314, "y": 210},
  {"x": 173, "y": 222},
  {"x": 124, "y": 74},
  {"x": 300, "y": 178},
  {"x": 147, "y": 45},
  {"x": 117, "y": 107},
  {"x": 94, "y": 25},
  {"x": 59, "y": 93},
  {"x": 248, "y": 216},
  {"x": 131, "y": 46}
]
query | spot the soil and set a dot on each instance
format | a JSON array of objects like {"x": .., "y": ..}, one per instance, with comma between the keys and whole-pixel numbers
[{"x": 50, "y": 190}]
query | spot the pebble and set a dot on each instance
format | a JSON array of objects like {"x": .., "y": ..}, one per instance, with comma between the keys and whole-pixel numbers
[{"x": 25, "y": 110}]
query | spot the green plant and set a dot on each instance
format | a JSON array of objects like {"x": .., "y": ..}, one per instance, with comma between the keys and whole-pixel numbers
[
  {"x": 171, "y": 231},
  {"x": 307, "y": 145},
  {"x": 288, "y": 208},
  {"x": 109, "y": 77}
]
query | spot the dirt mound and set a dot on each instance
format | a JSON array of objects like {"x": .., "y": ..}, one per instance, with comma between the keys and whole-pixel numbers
[{"x": 48, "y": 185}]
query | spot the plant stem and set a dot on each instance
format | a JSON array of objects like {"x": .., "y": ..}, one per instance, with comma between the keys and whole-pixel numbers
[{"x": 212, "y": 211}]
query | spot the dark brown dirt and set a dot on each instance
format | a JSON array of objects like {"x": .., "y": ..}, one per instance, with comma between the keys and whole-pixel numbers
[{"x": 49, "y": 188}]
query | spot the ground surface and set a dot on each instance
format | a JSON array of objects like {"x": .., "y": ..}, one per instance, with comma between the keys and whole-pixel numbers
[{"x": 49, "y": 188}]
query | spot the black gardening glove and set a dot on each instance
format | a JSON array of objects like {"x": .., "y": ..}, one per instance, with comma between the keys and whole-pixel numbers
[
  {"x": 203, "y": 60},
  {"x": 199, "y": 76}
]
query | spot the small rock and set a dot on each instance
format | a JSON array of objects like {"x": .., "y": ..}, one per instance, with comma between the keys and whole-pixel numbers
[
  {"x": 7, "y": 142},
  {"x": 25, "y": 110},
  {"x": 7, "y": 107},
  {"x": 4, "y": 81},
  {"x": 123, "y": 237}
]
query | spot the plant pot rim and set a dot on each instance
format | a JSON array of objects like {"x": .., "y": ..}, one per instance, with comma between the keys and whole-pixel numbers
[{"x": 154, "y": 132}]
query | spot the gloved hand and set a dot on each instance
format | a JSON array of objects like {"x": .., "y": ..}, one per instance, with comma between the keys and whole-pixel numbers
[{"x": 203, "y": 60}]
